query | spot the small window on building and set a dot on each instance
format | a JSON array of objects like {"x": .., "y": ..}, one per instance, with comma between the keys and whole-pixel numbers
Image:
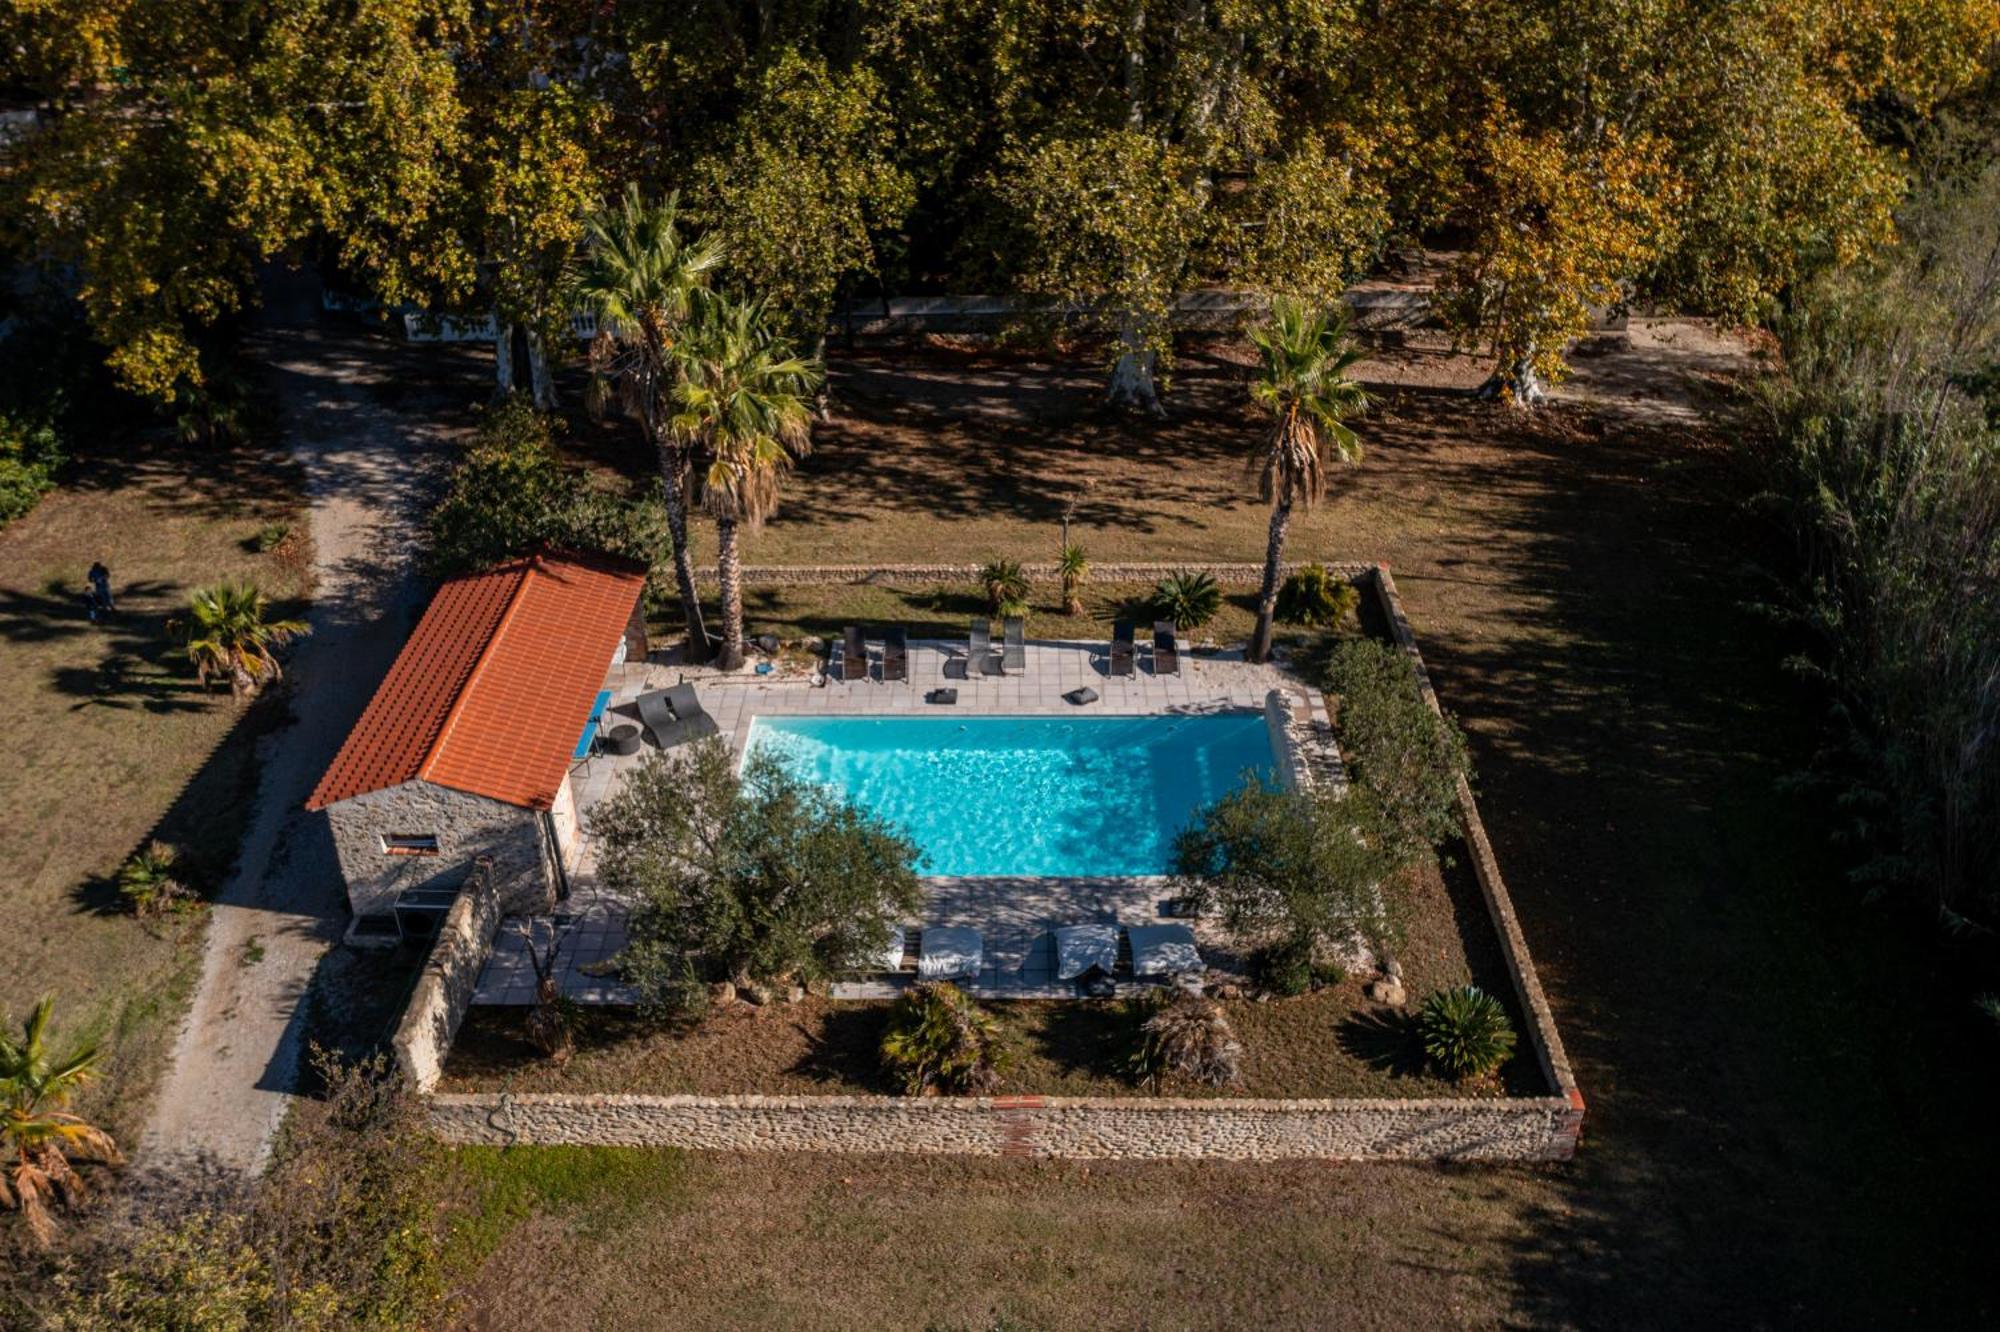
[{"x": 410, "y": 844}]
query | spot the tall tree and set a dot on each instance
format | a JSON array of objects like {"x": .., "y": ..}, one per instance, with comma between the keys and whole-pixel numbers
[
  {"x": 1302, "y": 381},
  {"x": 747, "y": 396},
  {"x": 644, "y": 278}
]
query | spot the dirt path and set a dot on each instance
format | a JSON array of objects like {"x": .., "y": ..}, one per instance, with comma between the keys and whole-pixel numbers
[{"x": 368, "y": 452}]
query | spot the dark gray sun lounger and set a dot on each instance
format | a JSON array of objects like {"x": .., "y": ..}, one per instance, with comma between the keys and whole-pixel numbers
[
  {"x": 1014, "y": 655},
  {"x": 895, "y": 655},
  {"x": 675, "y": 716},
  {"x": 1166, "y": 656},
  {"x": 1122, "y": 651},
  {"x": 979, "y": 653},
  {"x": 854, "y": 655}
]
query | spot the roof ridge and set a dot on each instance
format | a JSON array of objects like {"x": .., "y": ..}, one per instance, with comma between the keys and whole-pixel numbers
[{"x": 450, "y": 721}]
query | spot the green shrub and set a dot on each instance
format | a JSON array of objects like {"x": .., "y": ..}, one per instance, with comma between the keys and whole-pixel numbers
[
  {"x": 940, "y": 1040},
  {"x": 1073, "y": 568},
  {"x": 1403, "y": 753},
  {"x": 1187, "y": 598},
  {"x": 152, "y": 882},
  {"x": 1465, "y": 1031},
  {"x": 1289, "y": 968},
  {"x": 29, "y": 457},
  {"x": 1316, "y": 599},
  {"x": 511, "y": 495},
  {"x": 270, "y": 537},
  {"x": 1006, "y": 587},
  {"x": 1186, "y": 1035}
]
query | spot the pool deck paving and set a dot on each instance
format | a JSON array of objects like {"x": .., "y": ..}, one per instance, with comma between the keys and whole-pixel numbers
[{"x": 1012, "y": 914}]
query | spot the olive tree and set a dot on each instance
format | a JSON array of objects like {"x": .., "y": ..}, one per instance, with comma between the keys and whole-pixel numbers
[{"x": 757, "y": 879}]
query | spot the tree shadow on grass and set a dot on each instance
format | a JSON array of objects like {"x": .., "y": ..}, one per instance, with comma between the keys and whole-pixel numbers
[
  {"x": 1089, "y": 1039},
  {"x": 1384, "y": 1040},
  {"x": 846, "y": 1049}
]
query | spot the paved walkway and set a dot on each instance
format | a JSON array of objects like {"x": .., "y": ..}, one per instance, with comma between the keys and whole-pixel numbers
[{"x": 367, "y": 467}]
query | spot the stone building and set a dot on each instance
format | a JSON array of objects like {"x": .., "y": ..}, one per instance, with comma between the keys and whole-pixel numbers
[{"x": 465, "y": 750}]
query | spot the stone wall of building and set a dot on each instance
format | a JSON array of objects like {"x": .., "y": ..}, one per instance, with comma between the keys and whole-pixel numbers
[
  {"x": 1136, "y": 1128},
  {"x": 444, "y": 991},
  {"x": 466, "y": 827}
]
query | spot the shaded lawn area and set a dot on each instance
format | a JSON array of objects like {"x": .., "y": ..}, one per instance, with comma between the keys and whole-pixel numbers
[
  {"x": 106, "y": 740},
  {"x": 1789, "y": 1103},
  {"x": 944, "y": 611}
]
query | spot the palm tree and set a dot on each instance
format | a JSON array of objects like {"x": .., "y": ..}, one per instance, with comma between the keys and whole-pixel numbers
[
  {"x": 1072, "y": 568},
  {"x": 1304, "y": 355},
  {"x": 38, "y": 1139},
  {"x": 644, "y": 278},
  {"x": 747, "y": 395},
  {"x": 228, "y": 635}
]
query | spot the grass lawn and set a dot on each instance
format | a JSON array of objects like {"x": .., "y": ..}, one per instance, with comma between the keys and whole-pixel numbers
[
  {"x": 106, "y": 740},
  {"x": 1789, "y": 1110}
]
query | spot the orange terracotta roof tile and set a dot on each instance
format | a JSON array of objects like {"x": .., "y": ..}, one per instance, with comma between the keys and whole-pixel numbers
[{"x": 493, "y": 689}]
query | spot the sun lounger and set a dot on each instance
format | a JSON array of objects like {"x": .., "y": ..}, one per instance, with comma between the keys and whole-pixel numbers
[
  {"x": 1014, "y": 652},
  {"x": 891, "y": 957},
  {"x": 591, "y": 726},
  {"x": 675, "y": 716},
  {"x": 979, "y": 654},
  {"x": 1084, "y": 949},
  {"x": 895, "y": 655},
  {"x": 1122, "y": 651},
  {"x": 948, "y": 951},
  {"x": 1166, "y": 655},
  {"x": 1163, "y": 950},
  {"x": 854, "y": 655}
]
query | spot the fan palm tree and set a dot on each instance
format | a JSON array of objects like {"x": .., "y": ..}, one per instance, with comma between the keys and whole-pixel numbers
[
  {"x": 747, "y": 396},
  {"x": 644, "y": 279},
  {"x": 228, "y": 635},
  {"x": 38, "y": 1139},
  {"x": 1304, "y": 355}
]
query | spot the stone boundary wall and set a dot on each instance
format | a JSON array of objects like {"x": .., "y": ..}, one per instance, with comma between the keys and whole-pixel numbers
[
  {"x": 1535, "y": 1128},
  {"x": 808, "y": 575},
  {"x": 1542, "y": 1033},
  {"x": 1086, "y": 1128},
  {"x": 444, "y": 991}
]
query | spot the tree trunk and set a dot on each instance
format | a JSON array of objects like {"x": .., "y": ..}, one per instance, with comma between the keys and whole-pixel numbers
[
  {"x": 1132, "y": 387},
  {"x": 729, "y": 572},
  {"x": 1517, "y": 383},
  {"x": 503, "y": 357},
  {"x": 1267, "y": 600},
  {"x": 540, "y": 374},
  {"x": 673, "y": 471}
]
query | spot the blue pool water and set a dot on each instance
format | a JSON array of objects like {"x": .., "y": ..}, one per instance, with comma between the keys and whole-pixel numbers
[{"x": 1046, "y": 796}]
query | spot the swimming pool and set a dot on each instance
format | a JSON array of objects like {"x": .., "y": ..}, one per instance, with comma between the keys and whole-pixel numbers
[{"x": 1042, "y": 796}]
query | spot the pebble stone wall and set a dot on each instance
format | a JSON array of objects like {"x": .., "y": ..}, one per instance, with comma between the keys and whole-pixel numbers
[{"x": 1532, "y": 1128}]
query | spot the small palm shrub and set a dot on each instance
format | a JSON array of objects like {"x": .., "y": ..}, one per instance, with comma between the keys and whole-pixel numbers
[
  {"x": 1186, "y": 1035},
  {"x": 230, "y": 635},
  {"x": 152, "y": 884},
  {"x": 940, "y": 1040},
  {"x": 1465, "y": 1031},
  {"x": 1316, "y": 599},
  {"x": 1072, "y": 568},
  {"x": 1189, "y": 599},
  {"x": 1006, "y": 587}
]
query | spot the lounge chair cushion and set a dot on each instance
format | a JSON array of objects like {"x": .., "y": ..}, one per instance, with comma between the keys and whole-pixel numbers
[
  {"x": 950, "y": 950},
  {"x": 1082, "y": 696},
  {"x": 1163, "y": 950},
  {"x": 891, "y": 958},
  {"x": 1082, "y": 949}
]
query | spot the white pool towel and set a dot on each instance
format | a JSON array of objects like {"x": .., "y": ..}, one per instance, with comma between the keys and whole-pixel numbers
[
  {"x": 1081, "y": 949},
  {"x": 1163, "y": 950},
  {"x": 950, "y": 950}
]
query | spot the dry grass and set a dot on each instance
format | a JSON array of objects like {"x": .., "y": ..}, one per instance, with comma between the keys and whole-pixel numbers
[
  {"x": 1787, "y": 1123},
  {"x": 106, "y": 740}
]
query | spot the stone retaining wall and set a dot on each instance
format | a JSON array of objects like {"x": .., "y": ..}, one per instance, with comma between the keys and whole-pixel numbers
[
  {"x": 1136, "y": 1128},
  {"x": 806, "y": 575},
  {"x": 1538, "y": 1128},
  {"x": 444, "y": 991}
]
